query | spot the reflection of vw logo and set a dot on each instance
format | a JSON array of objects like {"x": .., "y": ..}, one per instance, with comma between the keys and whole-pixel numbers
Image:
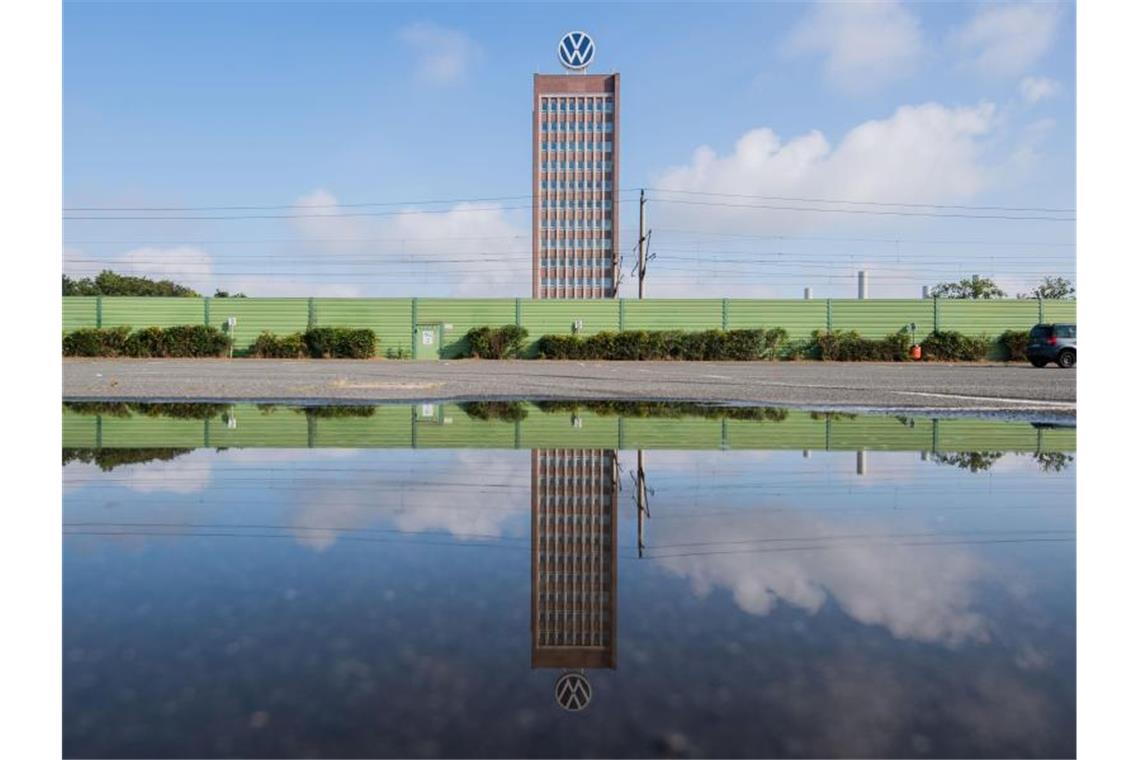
[
  {"x": 572, "y": 691},
  {"x": 576, "y": 50}
]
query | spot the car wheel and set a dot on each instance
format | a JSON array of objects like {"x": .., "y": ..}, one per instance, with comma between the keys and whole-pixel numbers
[
  {"x": 1067, "y": 359},
  {"x": 1038, "y": 363}
]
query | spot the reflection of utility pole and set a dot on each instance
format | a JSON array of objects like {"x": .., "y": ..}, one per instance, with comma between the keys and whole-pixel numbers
[{"x": 642, "y": 503}]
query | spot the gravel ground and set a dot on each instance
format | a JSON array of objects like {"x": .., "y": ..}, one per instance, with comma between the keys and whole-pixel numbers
[{"x": 964, "y": 387}]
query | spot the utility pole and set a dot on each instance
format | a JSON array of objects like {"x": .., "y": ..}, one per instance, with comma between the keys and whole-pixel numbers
[{"x": 642, "y": 240}]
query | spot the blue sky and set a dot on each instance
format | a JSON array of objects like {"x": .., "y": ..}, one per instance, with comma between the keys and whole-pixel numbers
[{"x": 318, "y": 106}]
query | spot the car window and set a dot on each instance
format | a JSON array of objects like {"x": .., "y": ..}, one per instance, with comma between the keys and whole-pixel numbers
[
  {"x": 1066, "y": 331},
  {"x": 1040, "y": 331}
]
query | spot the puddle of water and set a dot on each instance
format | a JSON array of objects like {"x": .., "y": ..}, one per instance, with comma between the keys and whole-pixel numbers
[{"x": 509, "y": 579}]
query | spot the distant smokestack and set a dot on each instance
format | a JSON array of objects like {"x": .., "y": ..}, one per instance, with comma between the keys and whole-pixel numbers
[
  {"x": 926, "y": 291},
  {"x": 807, "y": 294},
  {"x": 861, "y": 462},
  {"x": 862, "y": 283}
]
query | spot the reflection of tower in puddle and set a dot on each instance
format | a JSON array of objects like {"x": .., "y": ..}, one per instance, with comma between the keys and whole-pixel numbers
[{"x": 573, "y": 611}]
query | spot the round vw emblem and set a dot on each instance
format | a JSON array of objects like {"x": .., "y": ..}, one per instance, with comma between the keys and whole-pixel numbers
[
  {"x": 576, "y": 50},
  {"x": 572, "y": 691}
]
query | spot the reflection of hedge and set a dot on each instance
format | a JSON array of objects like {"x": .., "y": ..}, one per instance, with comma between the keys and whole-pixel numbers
[
  {"x": 641, "y": 345},
  {"x": 176, "y": 410},
  {"x": 974, "y": 461},
  {"x": 109, "y": 459},
  {"x": 504, "y": 342},
  {"x": 511, "y": 411},
  {"x": 180, "y": 341},
  {"x": 335, "y": 411},
  {"x": 667, "y": 409},
  {"x": 318, "y": 343}
]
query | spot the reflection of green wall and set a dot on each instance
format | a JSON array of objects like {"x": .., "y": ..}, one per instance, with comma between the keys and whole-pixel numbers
[{"x": 451, "y": 427}]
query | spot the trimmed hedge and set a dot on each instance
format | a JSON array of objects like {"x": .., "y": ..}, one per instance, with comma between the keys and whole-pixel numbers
[
  {"x": 318, "y": 343},
  {"x": 504, "y": 342},
  {"x": 641, "y": 345},
  {"x": 1015, "y": 344},
  {"x": 852, "y": 347},
  {"x": 180, "y": 341},
  {"x": 954, "y": 346}
]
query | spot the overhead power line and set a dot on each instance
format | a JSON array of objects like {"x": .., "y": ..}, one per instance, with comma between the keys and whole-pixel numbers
[
  {"x": 867, "y": 212},
  {"x": 867, "y": 203}
]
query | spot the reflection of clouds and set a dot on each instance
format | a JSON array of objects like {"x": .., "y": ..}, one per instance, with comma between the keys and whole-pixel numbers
[
  {"x": 916, "y": 592},
  {"x": 185, "y": 474},
  {"x": 448, "y": 495}
]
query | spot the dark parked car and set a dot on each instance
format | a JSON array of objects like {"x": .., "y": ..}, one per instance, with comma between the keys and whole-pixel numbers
[{"x": 1053, "y": 343}]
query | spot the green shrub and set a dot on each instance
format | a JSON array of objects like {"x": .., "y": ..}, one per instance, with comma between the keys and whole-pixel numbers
[
  {"x": 340, "y": 343},
  {"x": 852, "y": 347},
  {"x": 510, "y": 411},
  {"x": 641, "y": 345},
  {"x": 954, "y": 346},
  {"x": 1015, "y": 344},
  {"x": 96, "y": 341},
  {"x": 504, "y": 342},
  {"x": 149, "y": 342},
  {"x": 398, "y": 353},
  {"x": 270, "y": 346}
]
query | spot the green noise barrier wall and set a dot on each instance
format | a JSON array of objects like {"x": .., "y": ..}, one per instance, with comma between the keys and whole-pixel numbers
[{"x": 395, "y": 320}]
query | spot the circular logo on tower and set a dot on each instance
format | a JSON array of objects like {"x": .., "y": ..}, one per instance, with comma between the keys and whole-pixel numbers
[
  {"x": 576, "y": 50},
  {"x": 572, "y": 691}
]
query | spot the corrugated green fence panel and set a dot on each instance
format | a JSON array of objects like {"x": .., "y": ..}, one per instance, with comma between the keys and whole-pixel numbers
[
  {"x": 256, "y": 315},
  {"x": 79, "y": 312},
  {"x": 80, "y": 431},
  {"x": 559, "y": 431},
  {"x": 140, "y": 432},
  {"x": 685, "y": 433},
  {"x": 455, "y": 429},
  {"x": 985, "y": 435},
  {"x": 389, "y": 318},
  {"x": 261, "y": 427},
  {"x": 152, "y": 312},
  {"x": 557, "y": 317},
  {"x": 1060, "y": 310},
  {"x": 880, "y": 433},
  {"x": 463, "y": 314},
  {"x": 798, "y": 430},
  {"x": 673, "y": 314},
  {"x": 387, "y": 427},
  {"x": 982, "y": 317},
  {"x": 798, "y": 318},
  {"x": 879, "y": 317},
  {"x": 1058, "y": 439}
]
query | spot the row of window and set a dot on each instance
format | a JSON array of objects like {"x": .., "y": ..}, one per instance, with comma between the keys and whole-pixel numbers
[
  {"x": 604, "y": 145},
  {"x": 577, "y": 126},
  {"x": 582, "y": 244},
  {"x": 592, "y": 262},
  {"x": 580, "y": 184},
  {"x": 588, "y": 282},
  {"x": 575, "y": 224},
  {"x": 603, "y": 165},
  {"x": 605, "y": 205},
  {"x": 571, "y": 105}
]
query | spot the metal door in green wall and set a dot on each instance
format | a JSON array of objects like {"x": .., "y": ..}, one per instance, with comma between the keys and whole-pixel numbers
[{"x": 426, "y": 341}]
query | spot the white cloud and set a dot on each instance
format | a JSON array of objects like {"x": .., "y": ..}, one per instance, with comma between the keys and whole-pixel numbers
[
  {"x": 464, "y": 249},
  {"x": 443, "y": 56},
  {"x": 184, "y": 264},
  {"x": 864, "y": 45},
  {"x": 924, "y": 154},
  {"x": 1006, "y": 40},
  {"x": 1034, "y": 89}
]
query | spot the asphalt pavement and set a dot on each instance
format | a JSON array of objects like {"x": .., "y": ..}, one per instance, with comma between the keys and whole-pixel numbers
[{"x": 865, "y": 385}]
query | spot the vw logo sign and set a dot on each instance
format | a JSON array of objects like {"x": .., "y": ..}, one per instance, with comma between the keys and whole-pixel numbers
[
  {"x": 576, "y": 50},
  {"x": 572, "y": 691}
]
